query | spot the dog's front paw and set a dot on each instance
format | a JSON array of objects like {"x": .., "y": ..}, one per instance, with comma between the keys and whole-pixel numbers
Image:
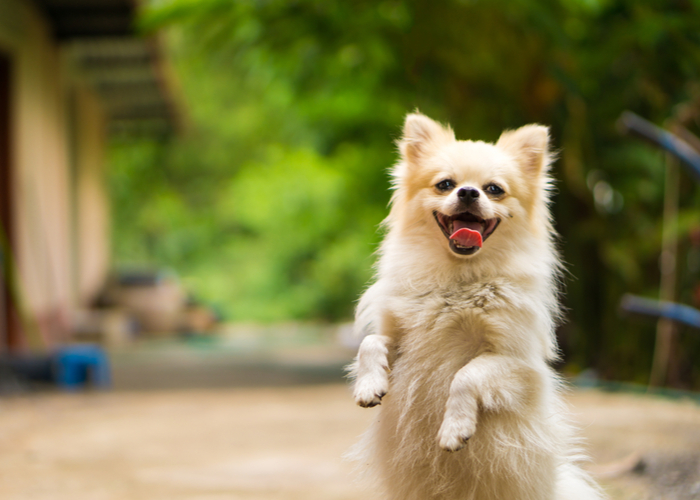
[
  {"x": 370, "y": 389},
  {"x": 455, "y": 432}
]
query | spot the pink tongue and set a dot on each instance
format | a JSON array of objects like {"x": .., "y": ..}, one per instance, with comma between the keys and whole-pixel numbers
[{"x": 466, "y": 237}]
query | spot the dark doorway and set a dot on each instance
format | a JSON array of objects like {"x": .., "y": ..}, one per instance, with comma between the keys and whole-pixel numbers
[{"x": 9, "y": 325}]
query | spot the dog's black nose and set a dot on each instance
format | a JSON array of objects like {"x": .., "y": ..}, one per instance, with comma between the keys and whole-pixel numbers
[{"x": 468, "y": 194}]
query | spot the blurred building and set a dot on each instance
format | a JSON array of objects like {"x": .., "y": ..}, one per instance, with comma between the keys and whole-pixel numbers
[{"x": 71, "y": 73}]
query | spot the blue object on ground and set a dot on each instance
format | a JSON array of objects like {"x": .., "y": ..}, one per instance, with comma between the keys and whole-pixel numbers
[
  {"x": 76, "y": 365},
  {"x": 677, "y": 312}
]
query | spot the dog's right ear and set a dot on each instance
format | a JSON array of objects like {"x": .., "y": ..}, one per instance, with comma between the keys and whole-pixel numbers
[
  {"x": 529, "y": 145},
  {"x": 420, "y": 135}
]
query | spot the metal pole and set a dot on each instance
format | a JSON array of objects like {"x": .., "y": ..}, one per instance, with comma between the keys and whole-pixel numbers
[{"x": 665, "y": 328}]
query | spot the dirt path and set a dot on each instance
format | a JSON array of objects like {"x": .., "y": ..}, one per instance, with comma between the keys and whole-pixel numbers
[{"x": 264, "y": 444}]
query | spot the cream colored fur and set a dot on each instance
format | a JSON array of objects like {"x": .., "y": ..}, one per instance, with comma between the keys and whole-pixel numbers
[{"x": 456, "y": 348}]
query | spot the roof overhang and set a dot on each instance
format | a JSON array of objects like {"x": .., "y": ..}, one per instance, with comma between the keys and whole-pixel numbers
[
  {"x": 126, "y": 70},
  {"x": 71, "y": 19}
]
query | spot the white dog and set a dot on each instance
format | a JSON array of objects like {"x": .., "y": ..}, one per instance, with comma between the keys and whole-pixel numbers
[{"x": 460, "y": 323}]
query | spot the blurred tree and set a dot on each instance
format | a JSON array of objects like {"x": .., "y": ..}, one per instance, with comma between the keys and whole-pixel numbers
[{"x": 269, "y": 205}]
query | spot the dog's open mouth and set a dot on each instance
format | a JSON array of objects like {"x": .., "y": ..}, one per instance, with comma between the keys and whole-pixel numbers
[{"x": 466, "y": 231}]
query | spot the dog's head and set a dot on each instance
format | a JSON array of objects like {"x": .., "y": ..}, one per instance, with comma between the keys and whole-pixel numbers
[{"x": 471, "y": 196}]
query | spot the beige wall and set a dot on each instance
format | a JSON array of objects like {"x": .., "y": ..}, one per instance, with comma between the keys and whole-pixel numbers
[
  {"x": 92, "y": 205},
  {"x": 60, "y": 209}
]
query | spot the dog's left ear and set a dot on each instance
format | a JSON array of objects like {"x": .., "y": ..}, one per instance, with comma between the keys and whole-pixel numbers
[
  {"x": 529, "y": 145},
  {"x": 420, "y": 135}
]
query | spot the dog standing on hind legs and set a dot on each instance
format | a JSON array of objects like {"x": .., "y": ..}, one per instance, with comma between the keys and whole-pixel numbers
[{"x": 459, "y": 327}]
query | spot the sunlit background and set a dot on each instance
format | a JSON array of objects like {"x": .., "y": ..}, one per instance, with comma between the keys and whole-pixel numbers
[{"x": 191, "y": 193}]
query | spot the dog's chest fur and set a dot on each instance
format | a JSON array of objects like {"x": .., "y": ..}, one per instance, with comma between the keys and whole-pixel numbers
[
  {"x": 441, "y": 330},
  {"x": 456, "y": 321}
]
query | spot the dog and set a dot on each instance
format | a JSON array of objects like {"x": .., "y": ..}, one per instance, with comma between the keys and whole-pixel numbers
[{"x": 459, "y": 326}]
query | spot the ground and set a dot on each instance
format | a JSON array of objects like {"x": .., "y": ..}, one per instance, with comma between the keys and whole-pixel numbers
[{"x": 285, "y": 443}]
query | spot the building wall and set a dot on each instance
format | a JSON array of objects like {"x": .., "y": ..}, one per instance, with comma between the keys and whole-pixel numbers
[
  {"x": 60, "y": 216},
  {"x": 91, "y": 208}
]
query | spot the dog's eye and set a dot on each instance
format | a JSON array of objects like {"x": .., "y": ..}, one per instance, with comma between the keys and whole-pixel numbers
[
  {"x": 494, "y": 189},
  {"x": 445, "y": 185}
]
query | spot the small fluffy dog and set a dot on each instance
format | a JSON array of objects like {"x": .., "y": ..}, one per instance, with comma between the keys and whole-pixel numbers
[{"x": 460, "y": 323}]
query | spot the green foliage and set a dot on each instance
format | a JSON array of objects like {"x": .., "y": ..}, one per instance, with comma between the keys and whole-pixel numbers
[{"x": 269, "y": 203}]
